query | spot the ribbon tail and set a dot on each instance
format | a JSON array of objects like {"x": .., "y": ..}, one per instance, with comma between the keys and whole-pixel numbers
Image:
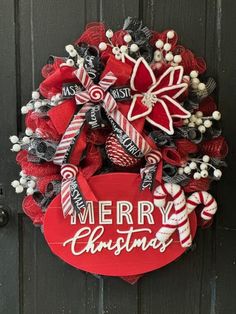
[{"x": 85, "y": 188}]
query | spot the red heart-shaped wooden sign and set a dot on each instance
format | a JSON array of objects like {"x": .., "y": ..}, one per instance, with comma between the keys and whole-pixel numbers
[{"x": 116, "y": 235}]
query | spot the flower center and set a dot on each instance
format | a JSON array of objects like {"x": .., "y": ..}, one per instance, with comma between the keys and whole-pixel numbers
[{"x": 149, "y": 99}]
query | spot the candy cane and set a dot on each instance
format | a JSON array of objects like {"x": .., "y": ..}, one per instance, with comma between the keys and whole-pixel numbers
[
  {"x": 195, "y": 199},
  {"x": 179, "y": 220},
  {"x": 205, "y": 198}
]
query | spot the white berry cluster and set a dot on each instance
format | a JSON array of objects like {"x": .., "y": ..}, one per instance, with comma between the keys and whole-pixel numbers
[
  {"x": 163, "y": 52},
  {"x": 118, "y": 51},
  {"x": 195, "y": 81},
  {"x": 199, "y": 168},
  {"x": 18, "y": 143},
  {"x": 25, "y": 182},
  {"x": 197, "y": 120},
  {"x": 77, "y": 59}
]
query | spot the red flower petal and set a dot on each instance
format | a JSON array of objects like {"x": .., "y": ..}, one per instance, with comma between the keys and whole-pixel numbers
[
  {"x": 176, "y": 75},
  {"x": 160, "y": 117},
  {"x": 173, "y": 91},
  {"x": 175, "y": 109},
  {"x": 138, "y": 109},
  {"x": 142, "y": 77}
]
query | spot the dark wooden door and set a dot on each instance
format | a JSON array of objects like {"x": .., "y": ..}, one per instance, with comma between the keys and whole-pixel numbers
[{"x": 32, "y": 280}]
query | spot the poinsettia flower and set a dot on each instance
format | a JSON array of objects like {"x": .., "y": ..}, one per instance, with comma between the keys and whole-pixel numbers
[{"x": 156, "y": 99}]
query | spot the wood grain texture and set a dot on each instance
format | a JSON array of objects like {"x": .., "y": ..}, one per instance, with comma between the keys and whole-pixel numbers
[{"x": 9, "y": 281}]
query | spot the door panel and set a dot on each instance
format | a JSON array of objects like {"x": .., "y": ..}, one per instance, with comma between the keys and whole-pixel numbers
[{"x": 32, "y": 279}]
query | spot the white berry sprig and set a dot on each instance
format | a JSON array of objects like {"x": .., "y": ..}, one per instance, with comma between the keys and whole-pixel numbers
[
  {"x": 25, "y": 182},
  {"x": 163, "y": 52},
  {"x": 199, "y": 168},
  {"x": 200, "y": 122},
  {"x": 130, "y": 46}
]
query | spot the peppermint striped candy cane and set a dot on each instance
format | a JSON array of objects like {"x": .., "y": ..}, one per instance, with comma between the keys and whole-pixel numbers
[
  {"x": 70, "y": 134},
  {"x": 205, "y": 198},
  {"x": 68, "y": 172},
  {"x": 98, "y": 93},
  {"x": 179, "y": 220},
  {"x": 195, "y": 199}
]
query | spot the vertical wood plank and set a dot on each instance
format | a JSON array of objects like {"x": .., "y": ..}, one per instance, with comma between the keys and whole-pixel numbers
[
  {"x": 225, "y": 301},
  {"x": 9, "y": 279}
]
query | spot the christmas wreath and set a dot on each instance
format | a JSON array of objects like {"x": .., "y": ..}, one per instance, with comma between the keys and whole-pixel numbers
[{"x": 125, "y": 115}]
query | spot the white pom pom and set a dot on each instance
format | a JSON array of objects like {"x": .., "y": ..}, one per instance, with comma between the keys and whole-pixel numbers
[
  {"x": 202, "y": 129},
  {"x": 167, "y": 47},
  {"x": 16, "y": 148},
  {"x": 198, "y": 121},
  {"x": 203, "y": 166},
  {"x": 207, "y": 123},
  {"x": 123, "y": 48},
  {"x": 30, "y": 106},
  {"x": 14, "y": 139},
  {"x": 216, "y": 115},
  {"x": 28, "y": 131},
  {"x": 118, "y": 56},
  {"x": 127, "y": 38},
  {"x": 102, "y": 46},
  {"x": 169, "y": 56},
  {"x": 19, "y": 189},
  {"x": 70, "y": 62},
  {"x": 180, "y": 170},
  {"x": 187, "y": 170},
  {"x": 134, "y": 48},
  {"x": 193, "y": 165},
  {"x": 177, "y": 58},
  {"x": 73, "y": 53},
  {"x": 217, "y": 173},
  {"x": 159, "y": 44},
  {"x": 109, "y": 33},
  {"x": 15, "y": 183},
  {"x": 199, "y": 114},
  {"x": 197, "y": 176},
  {"x": 170, "y": 34},
  {"x": 157, "y": 56},
  {"x": 30, "y": 191},
  {"x": 115, "y": 50},
  {"x": 31, "y": 184},
  {"x": 23, "y": 181},
  {"x": 26, "y": 140},
  {"x": 35, "y": 95},
  {"x": 201, "y": 86},
  {"x": 193, "y": 74},
  {"x": 186, "y": 121},
  {"x": 193, "y": 118},
  {"x": 195, "y": 81},
  {"x": 69, "y": 48},
  {"x": 204, "y": 173},
  {"x": 22, "y": 174},
  {"x": 191, "y": 124},
  {"x": 24, "y": 110},
  {"x": 37, "y": 104},
  {"x": 205, "y": 158}
]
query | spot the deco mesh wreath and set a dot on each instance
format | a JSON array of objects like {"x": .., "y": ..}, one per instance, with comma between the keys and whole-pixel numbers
[{"x": 121, "y": 144}]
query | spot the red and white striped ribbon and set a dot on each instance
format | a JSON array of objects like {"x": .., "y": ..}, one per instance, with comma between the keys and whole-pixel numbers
[
  {"x": 68, "y": 172},
  {"x": 95, "y": 93},
  {"x": 178, "y": 220},
  {"x": 71, "y": 132}
]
